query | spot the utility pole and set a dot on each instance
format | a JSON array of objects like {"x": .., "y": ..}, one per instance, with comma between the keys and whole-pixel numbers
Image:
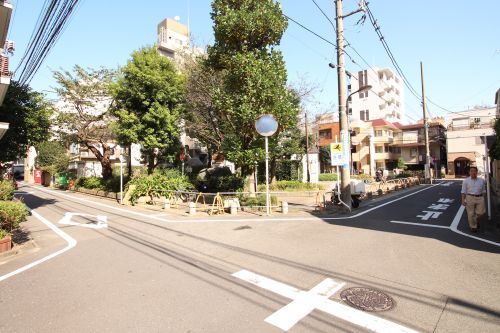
[
  {"x": 307, "y": 151},
  {"x": 428, "y": 173}
]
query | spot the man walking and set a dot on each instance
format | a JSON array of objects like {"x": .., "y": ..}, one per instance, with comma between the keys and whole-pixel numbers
[{"x": 473, "y": 190}]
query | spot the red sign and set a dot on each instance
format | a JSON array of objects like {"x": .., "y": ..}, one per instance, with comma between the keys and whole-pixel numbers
[{"x": 38, "y": 176}]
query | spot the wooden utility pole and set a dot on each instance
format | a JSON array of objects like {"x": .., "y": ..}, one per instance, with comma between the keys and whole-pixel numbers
[
  {"x": 345, "y": 175},
  {"x": 428, "y": 173},
  {"x": 307, "y": 151}
]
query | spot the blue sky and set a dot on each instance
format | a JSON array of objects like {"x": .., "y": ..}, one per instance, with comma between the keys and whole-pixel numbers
[{"x": 458, "y": 41}]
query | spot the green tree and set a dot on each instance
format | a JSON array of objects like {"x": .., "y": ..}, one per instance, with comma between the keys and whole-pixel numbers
[
  {"x": 52, "y": 157},
  {"x": 495, "y": 148},
  {"x": 84, "y": 114},
  {"x": 28, "y": 115},
  {"x": 402, "y": 164},
  {"x": 252, "y": 75},
  {"x": 149, "y": 98}
]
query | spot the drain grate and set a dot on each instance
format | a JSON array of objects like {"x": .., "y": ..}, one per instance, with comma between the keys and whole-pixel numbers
[{"x": 367, "y": 299}]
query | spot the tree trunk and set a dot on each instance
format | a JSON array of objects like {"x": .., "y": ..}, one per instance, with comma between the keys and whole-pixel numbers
[
  {"x": 103, "y": 158},
  {"x": 151, "y": 162},
  {"x": 129, "y": 162},
  {"x": 272, "y": 170}
]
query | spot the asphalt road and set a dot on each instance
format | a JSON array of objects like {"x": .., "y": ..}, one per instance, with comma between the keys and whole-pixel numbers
[{"x": 120, "y": 269}]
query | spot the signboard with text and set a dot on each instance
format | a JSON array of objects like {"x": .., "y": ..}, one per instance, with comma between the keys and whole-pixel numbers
[{"x": 337, "y": 154}]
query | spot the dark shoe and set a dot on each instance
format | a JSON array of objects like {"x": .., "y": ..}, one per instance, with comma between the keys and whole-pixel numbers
[
  {"x": 478, "y": 226},
  {"x": 473, "y": 230}
]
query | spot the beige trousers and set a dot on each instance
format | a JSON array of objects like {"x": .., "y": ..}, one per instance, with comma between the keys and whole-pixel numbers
[{"x": 475, "y": 208}]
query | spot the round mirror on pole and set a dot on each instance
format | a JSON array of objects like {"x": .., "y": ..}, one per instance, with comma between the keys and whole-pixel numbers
[{"x": 266, "y": 125}]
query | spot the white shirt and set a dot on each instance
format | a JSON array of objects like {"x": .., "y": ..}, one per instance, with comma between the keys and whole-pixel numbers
[{"x": 473, "y": 186}]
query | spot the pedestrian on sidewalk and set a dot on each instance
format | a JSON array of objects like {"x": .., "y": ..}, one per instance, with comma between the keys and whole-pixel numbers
[{"x": 473, "y": 190}]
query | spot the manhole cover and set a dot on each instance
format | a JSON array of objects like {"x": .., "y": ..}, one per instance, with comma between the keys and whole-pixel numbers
[{"x": 367, "y": 299}]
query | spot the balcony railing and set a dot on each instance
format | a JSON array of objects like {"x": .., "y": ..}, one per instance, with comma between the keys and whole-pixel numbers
[{"x": 473, "y": 125}]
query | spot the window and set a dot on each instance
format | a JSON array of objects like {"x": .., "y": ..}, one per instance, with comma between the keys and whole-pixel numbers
[
  {"x": 379, "y": 133},
  {"x": 395, "y": 150},
  {"x": 325, "y": 134},
  {"x": 363, "y": 81},
  {"x": 364, "y": 115},
  {"x": 379, "y": 149},
  {"x": 413, "y": 152},
  {"x": 350, "y": 111},
  {"x": 389, "y": 133}
]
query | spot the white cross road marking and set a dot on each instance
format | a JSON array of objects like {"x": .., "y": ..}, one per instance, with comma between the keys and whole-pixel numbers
[
  {"x": 305, "y": 303},
  {"x": 446, "y": 184},
  {"x": 439, "y": 206},
  {"x": 429, "y": 214},
  {"x": 446, "y": 200},
  {"x": 102, "y": 221},
  {"x": 317, "y": 298}
]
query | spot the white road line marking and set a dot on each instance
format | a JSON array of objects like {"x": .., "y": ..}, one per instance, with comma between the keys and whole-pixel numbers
[
  {"x": 289, "y": 315},
  {"x": 102, "y": 220},
  {"x": 421, "y": 224},
  {"x": 71, "y": 244},
  {"x": 317, "y": 299},
  {"x": 54, "y": 192},
  {"x": 456, "y": 221}
]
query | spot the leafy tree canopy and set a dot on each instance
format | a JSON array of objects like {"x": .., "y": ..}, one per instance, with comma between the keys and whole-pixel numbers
[
  {"x": 52, "y": 157},
  {"x": 28, "y": 115},
  {"x": 84, "y": 111},
  {"x": 149, "y": 98},
  {"x": 253, "y": 76}
]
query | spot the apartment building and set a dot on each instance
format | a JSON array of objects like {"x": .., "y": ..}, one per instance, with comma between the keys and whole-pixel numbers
[
  {"x": 385, "y": 100},
  {"x": 409, "y": 143},
  {"x": 467, "y": 136},
  {"x": 5, "y": 47}
]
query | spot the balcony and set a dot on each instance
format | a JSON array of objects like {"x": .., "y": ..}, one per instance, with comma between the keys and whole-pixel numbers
[
  {"x": 382, "y": 156},
  {"x": 5, "y": 14},
  {"x": 4, "y": 77},
  {"x": 383, "y": 139},
  {"x": 472, "y": 125}
]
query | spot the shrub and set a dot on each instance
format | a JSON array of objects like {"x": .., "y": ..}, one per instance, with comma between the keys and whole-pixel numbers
[
  {"x": 220, "y": 180},
  {"x": 89, "y": 183},
  {"x": 259, "y": 200},
  {"x": 291, "y": 185},
  {"x": 158, "y": 184},
  {"x": 6, "y": 190},
  {"x": 362, "y": 176},
  {"x": 404, "y": 174},
  {"x": 327, "y": 177},
  {"x": 3, "y": 233},
  {"x": 11, "y": 214}
]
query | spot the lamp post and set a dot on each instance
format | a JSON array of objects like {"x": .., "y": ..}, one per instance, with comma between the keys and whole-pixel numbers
[{"x": 266, "y": 126}]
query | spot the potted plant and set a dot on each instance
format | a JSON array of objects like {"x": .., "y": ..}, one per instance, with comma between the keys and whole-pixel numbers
[{"x": 5, "y": 241}]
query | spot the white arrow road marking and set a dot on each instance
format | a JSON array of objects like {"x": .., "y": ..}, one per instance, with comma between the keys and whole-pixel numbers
[
  {"x": 304, "y": 302},
  {"x": 71, "y": 243},
  {"x": 102, "y": 220}
]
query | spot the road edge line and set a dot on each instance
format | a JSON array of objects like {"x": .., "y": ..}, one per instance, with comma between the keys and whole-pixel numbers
[
  {"x": 456, "y": 221},
  {"x": 71, "y": 244}
]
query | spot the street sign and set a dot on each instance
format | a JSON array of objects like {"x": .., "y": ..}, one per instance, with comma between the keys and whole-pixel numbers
[{"x": 337, "y": 154}]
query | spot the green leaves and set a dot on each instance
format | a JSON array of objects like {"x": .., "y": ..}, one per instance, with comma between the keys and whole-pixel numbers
[
  {"x": 52, "y": 157},
  {"x": 149, "y": 97},
  {"x": 28, "y": 115},
  {"x": 252, "y": 77}
]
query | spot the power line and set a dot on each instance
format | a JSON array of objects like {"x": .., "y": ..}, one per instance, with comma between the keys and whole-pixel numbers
[{"x": 51, "y": 22}]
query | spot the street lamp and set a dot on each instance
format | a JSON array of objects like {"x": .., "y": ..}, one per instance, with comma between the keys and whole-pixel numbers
[{"x": 266, "y": 126}]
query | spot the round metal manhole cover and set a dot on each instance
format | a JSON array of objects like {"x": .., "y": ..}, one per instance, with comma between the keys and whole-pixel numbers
[{"x": 367, "y": 299}]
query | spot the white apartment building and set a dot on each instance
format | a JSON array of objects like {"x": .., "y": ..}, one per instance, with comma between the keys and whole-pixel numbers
[
  {"x": 385, "y": 100},
  {"x": 465, "y": 139}
]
